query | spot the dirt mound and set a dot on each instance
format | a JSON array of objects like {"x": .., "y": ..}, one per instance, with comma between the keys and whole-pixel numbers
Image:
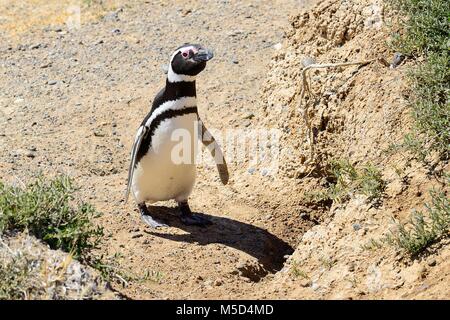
[
  {"x": 38, "y": 272},
  {"x": 356, "y": 113}
]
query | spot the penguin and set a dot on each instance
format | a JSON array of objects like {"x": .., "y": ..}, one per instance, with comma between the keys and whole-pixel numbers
[{"x": 156, "y": 172}]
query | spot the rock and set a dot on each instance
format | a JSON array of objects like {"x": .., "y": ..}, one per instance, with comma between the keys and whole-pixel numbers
[
  {"x": 185, "y": 12},
  {"x": 77, "y": 281},
  {"x": 116, "y": 31},
  {"x": 251, "y": 170},
  {"x": 30, "y": 154},
  {"x": 307, "y": 61},
  {"x": 351, "y": 267},
  {"x": 397, "y": 60},
  {"x": 112, "y": 16},
  {"x": 431, "y": 262},
  {"x": 52, "y": 82},
  {"x": 277, "y": 46},
  {"x": 305, "y": 283},
  {"x": 356, "y": 226},
  {"x": 35, "y": 46},
  {"x": 248, "y": 115}
]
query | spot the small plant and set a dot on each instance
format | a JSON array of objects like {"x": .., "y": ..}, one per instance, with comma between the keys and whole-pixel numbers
[
  {"x": 47, "y": 210},
  {"x": 372, "y": 245},
  {"x": 154, "y": 276},
  {"x": 327, "y": 262},
  {"x": 297, "y": 272},
  {"x": 424, "y": 229},
  {"x": 347, "y": 180},
  {"x": 414, "y": 143}
]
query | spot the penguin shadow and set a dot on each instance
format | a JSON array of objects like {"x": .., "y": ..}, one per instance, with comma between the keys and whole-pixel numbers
[{"x": 268, "y": 249}]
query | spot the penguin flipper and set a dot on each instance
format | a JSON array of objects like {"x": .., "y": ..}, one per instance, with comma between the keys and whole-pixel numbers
[
  {"x": 216, "y": 152},
  {"x": 134, "y": 151}
]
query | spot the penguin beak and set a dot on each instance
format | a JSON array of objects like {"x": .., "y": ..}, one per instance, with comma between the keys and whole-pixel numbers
[{"x": 203, "y": 55}]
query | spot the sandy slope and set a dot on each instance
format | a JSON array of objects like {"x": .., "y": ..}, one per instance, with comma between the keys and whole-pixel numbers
[{"x": 84, "y": 125}]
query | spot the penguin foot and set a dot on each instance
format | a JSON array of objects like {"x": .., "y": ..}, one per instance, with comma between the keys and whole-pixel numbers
[
  {"x": 147, "y": 218},
  {"x": 190, "y": 219},
  {"x": 152, "y": 222}
]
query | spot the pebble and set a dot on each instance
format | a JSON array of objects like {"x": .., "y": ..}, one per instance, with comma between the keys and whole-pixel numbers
[
  {"x": 185, "y": 12},
  {"x": 52, "y": 82},
  {"x": 30, "y": 154},
  {"x": 307, "y": 61},
  {"x": 248, "y": 115},
  {"x": 277, "y": 46},
  {"x": 305, "y": 283},
  {"x": 356, "y": 226},
  {"x": 397, "y": 60},
  {"x": 251, "y": 170},
  {"x": 35, "y": 46},
  {"x": 431, "y": 262},
  {"x": 111, "y": 16}
]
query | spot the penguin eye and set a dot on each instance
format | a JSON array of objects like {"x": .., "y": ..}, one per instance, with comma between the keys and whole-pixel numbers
[{"x": 185, "y": 54}]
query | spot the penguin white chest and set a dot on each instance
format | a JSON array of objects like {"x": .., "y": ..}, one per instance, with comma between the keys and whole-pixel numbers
[{"x": 167, "y": 171}]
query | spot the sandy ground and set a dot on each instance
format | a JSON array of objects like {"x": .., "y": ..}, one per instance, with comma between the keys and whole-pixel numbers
[{"x": 73, "y": 95}]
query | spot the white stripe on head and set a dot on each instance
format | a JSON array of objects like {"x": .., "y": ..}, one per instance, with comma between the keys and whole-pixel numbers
[
  {"x": 178, "y": 104},
  {"x": 175, "y": 77}
]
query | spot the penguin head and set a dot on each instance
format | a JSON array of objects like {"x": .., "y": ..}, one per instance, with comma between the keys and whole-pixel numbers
[{"x": 188, "y": 61}]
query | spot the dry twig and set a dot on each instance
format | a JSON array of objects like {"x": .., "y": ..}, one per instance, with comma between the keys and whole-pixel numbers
[{"x": 305, "y": 88}]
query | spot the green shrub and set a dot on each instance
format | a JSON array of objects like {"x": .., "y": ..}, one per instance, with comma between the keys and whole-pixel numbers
[
  {"x": 427, "y": 34},
  {"x": 426, "y": 26},
  {"x": 424, "y": 229},
  {"x": 347, "y": 180},
  {"x": 47, "y": 210}
]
